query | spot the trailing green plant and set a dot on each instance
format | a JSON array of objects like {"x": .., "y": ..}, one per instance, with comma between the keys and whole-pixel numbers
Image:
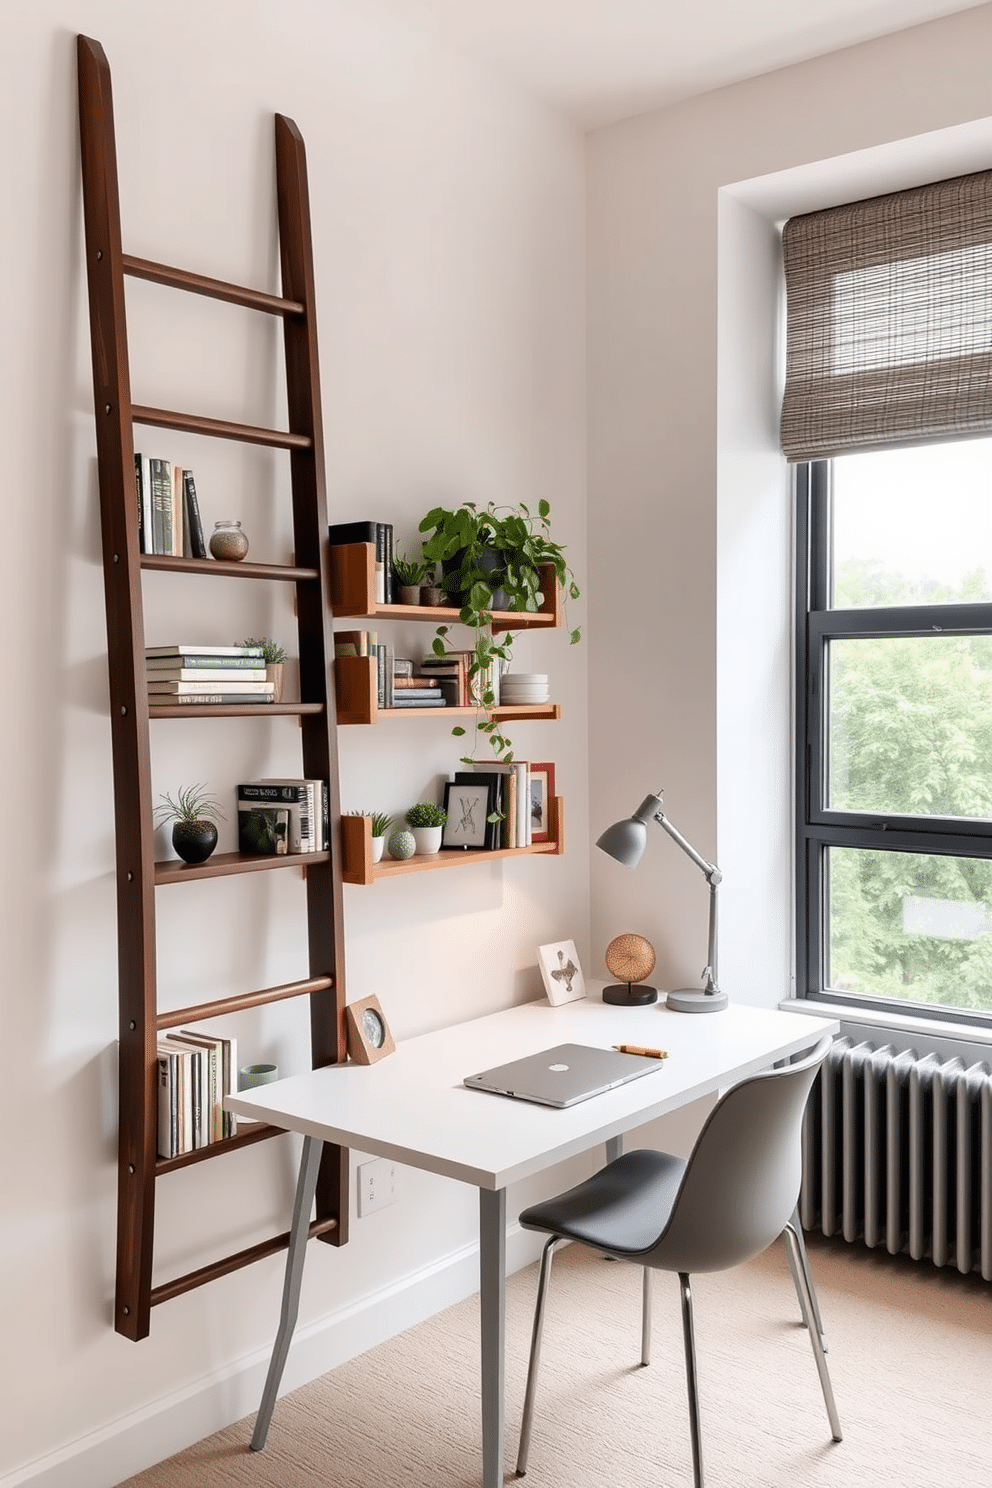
[
  {"x": 426, "y": 814},
  {"x": 190, "y": 803},
  {"x": 380, "y": 821},
  {"x": 272, "y": 654},
  {"x": 487, "y": 552}
]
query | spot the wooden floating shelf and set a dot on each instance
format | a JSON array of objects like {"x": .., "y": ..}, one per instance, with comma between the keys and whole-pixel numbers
[
  {"x": 357, "y": 866},
  {"x": 352, "y": 568},
  {"x": 355, "y": 691}
]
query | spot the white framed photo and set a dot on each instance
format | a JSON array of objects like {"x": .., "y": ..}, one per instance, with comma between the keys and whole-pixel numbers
[{"x": 561, "y": 972}]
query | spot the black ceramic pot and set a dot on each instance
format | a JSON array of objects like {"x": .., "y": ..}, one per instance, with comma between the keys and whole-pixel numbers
[{"x": 194, "y": 841}]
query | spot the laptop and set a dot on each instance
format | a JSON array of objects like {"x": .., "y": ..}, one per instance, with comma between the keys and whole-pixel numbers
[{"x": 564, "y": 1074}]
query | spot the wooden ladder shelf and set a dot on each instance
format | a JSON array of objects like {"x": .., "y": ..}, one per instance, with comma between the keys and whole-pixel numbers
[{"x": 138, "y": 875}]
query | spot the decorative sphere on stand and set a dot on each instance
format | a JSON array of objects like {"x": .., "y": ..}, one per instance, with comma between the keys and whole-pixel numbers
[{"x": 631, "y": 958}]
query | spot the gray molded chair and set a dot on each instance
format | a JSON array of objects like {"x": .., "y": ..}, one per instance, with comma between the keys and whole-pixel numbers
[{"x": 735, "y": 1194}]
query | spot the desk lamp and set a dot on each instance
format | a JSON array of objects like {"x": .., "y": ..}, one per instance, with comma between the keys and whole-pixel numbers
[{"x": 626, "y": 841}]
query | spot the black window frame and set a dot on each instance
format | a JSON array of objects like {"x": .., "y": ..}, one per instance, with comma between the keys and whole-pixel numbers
[{"x": 817, "y": 826}]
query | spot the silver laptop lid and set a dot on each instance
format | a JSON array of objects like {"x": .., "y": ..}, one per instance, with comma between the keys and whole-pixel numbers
[{"x": 564, "y": 1074}]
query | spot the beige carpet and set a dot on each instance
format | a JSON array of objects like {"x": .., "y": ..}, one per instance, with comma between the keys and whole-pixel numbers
[{"x": 910, "y": 1359}]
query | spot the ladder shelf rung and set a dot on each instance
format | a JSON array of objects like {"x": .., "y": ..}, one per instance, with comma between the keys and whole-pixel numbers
[
  {"x": 181, "y": 1284},
  {"x": 199, "y": 1012},
  {"x": 214, "y": 289},
  {"x": 195, "y": 423}
]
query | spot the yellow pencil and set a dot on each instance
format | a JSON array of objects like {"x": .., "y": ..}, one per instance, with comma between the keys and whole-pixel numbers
[{"x": 636, "y": 1049}]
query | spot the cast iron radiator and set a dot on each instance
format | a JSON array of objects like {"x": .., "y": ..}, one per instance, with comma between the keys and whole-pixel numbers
[{"x": 897, "y": 1152}]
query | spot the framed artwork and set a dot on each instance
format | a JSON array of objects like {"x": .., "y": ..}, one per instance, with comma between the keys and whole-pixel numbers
[
  {"x": 369, "y": 1037},
  {"x": 560, "y": 972},
  {"x": 467, "y": 804},
  {"x": 542, "y": 793},
  {"x": 494, "y": 781}
]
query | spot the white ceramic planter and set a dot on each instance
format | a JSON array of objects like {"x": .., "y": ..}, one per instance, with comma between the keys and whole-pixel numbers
[
  {"x": 378, "y": 843},
  {"x": 428, "y": 840}
]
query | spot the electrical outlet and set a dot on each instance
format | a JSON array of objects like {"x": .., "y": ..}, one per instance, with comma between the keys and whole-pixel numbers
[{"x": 376, "y": 1185}]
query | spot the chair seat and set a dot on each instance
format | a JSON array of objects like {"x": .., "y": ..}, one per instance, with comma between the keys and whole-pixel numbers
[{"x": 621, "y": 1210}]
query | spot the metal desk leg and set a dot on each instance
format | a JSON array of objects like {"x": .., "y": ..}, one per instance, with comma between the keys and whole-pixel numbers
[
  {"x": 306, "y": 1186},
  {"x": 492, "y": 1299}
]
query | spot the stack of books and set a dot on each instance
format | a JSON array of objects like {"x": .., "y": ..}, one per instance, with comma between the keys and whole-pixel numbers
[
  {"x": 455, "y": 668},
  {"x": 281, "y": 816},
  {"x": 168, "y": 510},
  {"x": 207, "y": 674},
  {"x": 195, "y": 1072}
]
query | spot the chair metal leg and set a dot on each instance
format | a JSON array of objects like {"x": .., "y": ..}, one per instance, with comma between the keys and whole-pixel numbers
[
  {"x": 809, "y": 1288},
  {"x": 647, "y": 1277},
  {"x": 691, "y": 1380},
  {"x": 814, "y": 1335},
  {"x": 535, "y": 1354}
]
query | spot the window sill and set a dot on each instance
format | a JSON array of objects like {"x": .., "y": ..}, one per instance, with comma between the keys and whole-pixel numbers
[{"x": 896, "y": 1022}]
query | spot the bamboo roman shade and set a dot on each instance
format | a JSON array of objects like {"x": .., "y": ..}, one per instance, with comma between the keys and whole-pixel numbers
[{"x": 889, "y": 320}]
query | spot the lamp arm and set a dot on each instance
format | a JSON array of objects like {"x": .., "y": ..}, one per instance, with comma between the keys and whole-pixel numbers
[{"x": 714, "y": 878}]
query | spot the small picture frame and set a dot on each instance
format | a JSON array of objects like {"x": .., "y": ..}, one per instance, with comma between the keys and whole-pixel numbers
[
  {"x": 369, "y": 1038},
  {"x": 560, "y": 972},
  {"x": 542, "y": 794},
  {"x": 468, "y": 806}
]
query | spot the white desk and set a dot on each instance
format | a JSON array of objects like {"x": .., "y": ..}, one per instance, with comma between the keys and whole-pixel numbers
[{"x": 412, "y": 1107}]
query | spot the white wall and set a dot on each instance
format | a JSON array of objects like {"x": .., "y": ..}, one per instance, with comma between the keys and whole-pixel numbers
[
  {"x": 689, "y": 509},
  {"x": 448, "y": 235}
]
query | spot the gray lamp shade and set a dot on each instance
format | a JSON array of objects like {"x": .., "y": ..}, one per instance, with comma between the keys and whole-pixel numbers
[{"x": 625, "y": 841}]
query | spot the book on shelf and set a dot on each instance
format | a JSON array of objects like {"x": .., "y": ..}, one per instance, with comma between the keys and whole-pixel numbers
[
  {"x": 156, "y": 672},
  {"x": 317, "y": 803},
  {"x": 412, "y": 699},
  {"x": 451, "y": 672},
  {"x": 380, "y": 535},
  {"x": 198, "y": 1133},
  {"x": 145, "y": 497},
  {"x": 234, "y": 683},
  {"x": 417, "y": 684},
  {"x": 201, "y": 648},
  {"x": 402, "y": 667},
  {"x": 167, "y": 1061},
  {"x": 248, "y": 668},
  {"x": 194, "y": 544},
  {"x": 221, "y": 1068},
  {"x": 212, "y": 699},
  {"x": 178, "y": 535},
  {"x": 160, "y": 476},
  {"x": 179, "y": 1076}
]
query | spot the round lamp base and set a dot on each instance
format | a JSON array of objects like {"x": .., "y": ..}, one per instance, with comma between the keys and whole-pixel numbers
[
  {"x": 695, "y": 1000},
  {"x": 630, "y": 994}
]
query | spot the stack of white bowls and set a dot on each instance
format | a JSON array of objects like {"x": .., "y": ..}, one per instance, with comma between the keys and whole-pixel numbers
[{"x": 523, "y": 687}]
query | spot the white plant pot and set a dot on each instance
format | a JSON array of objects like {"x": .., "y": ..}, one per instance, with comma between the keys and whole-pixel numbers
[
  {"x": 378, "y": 843},
  {"x": 428, "y": 840}
]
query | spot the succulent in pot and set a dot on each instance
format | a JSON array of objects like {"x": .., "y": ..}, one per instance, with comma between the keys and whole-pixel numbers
[
  {"x": 193, "y": 812},
  {"x": 381, "y": 824}
]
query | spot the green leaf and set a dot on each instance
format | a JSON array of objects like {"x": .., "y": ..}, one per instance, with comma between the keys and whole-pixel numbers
[
  {"x": 543, "y": 508},
  {"x": 574, "y": 638},
  {"x": 458, "y": 731}
]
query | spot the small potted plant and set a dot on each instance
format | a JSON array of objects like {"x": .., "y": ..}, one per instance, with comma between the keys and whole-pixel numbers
[
  {"x": 426, "y": 821},
  {"x": 273, "y": 657},
  {"x": 410, "y": 574},
  {"x": 381, "y": 824},
  {"x": 192, "y": 811}
]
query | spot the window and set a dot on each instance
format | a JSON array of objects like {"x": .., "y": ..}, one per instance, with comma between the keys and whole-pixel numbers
[{"x": 894, "y": 690}]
